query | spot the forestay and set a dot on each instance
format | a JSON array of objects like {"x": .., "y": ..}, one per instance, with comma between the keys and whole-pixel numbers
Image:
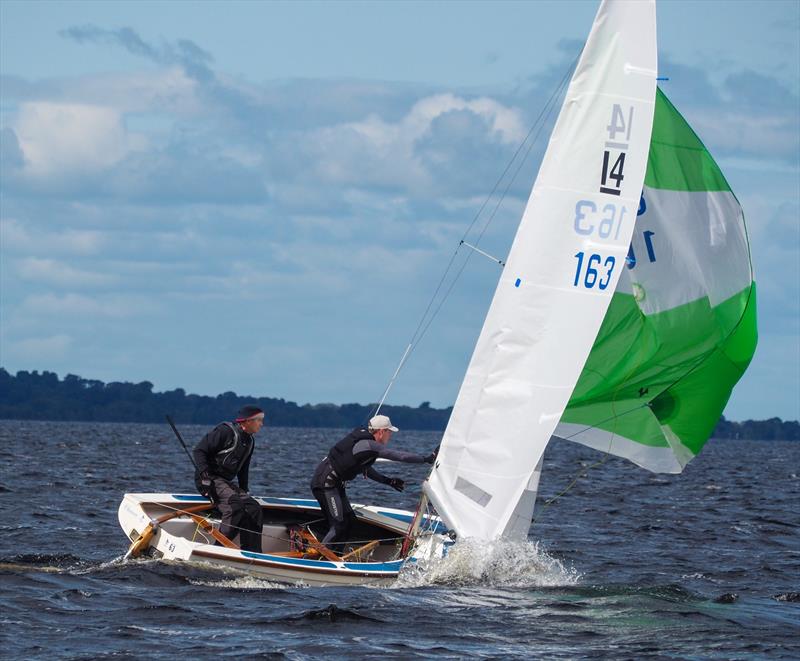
[
  {"x": 681, "y": 328},
  {"x": 560, "y": 274}
]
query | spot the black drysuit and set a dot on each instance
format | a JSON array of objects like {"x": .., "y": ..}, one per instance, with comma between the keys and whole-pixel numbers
[
  {"x": 224, "y": 454},
  {"x": 351, "y": 456}
]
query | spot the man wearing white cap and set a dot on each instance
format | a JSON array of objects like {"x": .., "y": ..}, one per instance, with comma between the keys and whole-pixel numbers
[{"x": 355, "y": 454}]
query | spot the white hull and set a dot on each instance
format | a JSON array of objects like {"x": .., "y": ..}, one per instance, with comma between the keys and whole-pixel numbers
[{"x": 181, "y": 538}]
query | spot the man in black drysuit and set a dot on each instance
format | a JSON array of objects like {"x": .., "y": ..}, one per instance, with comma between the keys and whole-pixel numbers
[
  {"x": 223, "y": 454},
  {"x": 355, "y": 454}
]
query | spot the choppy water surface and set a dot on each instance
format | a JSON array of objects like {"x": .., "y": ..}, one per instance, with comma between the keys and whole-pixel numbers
[{"x": 626, "y": 565}]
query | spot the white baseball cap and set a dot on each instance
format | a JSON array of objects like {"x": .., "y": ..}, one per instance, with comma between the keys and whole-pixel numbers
[{"x": 381, "y": 422}]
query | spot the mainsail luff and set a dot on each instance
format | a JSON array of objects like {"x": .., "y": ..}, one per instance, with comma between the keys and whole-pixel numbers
[{"x": 561, "y": 271}]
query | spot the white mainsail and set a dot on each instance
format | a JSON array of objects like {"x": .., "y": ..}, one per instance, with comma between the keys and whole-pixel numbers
[{"x": 558, "y": 280}]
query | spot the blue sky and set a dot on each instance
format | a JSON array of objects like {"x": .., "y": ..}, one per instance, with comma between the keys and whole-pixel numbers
[{"x": 261, "y": 197}]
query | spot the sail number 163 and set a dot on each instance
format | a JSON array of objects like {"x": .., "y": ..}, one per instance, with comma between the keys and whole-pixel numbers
[{"x": 593, "y": 270}]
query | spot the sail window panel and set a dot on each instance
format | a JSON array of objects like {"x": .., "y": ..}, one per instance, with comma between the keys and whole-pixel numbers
[{"x": 472, "y": 491}]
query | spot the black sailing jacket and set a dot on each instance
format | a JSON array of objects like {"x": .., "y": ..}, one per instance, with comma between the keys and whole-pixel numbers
[
  {"x": 357, "y": 451},
  {"x": 225, "y": 452}
]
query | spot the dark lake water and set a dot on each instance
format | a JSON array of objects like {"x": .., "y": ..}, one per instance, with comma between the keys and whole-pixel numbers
[{"x": 627, "y": 564}]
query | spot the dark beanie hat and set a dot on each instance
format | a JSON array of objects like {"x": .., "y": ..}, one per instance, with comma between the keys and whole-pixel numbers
[{"x": 247, "y": 412}]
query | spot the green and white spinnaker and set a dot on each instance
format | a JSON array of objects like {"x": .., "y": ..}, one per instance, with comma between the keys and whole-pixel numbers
[{"x": 681, "y": 327}]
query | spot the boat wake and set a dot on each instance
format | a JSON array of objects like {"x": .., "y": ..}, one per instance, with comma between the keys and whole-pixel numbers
[
  {"x": 499, "y": 563},
  {"x": 241, "y": 583}
]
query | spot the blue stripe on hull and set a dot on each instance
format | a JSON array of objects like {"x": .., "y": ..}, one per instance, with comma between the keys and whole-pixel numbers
[
  {"x": 297, "y": 502},
  {"x": 299, "y": 562},
  {"x": 393, "y": 566},
  {"x": 301, "y": 502}
]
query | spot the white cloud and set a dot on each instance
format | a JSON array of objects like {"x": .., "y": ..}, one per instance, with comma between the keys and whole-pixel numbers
[
  {"x": 505, "y": 122},
  {"x": 63, "y": 138},
  {"x": 373, "y": 151}
]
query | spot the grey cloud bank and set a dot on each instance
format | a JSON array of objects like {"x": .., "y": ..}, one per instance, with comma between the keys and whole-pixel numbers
[{"x": 184, "y": 226}]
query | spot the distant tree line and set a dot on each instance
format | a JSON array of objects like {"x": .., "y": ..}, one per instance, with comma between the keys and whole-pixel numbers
[
  {"x": 35, "y": 396},
  {"x": 773, "y": 429}
]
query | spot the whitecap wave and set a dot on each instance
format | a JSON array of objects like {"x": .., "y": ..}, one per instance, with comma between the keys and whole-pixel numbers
[
  {"x": 161, "y": 631},
  {"x": 241, "y": 583},
  {"x": 497, "y": 563}
]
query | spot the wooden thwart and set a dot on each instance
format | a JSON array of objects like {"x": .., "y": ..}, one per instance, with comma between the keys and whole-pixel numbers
[
  {"x": 315, "y": 547},
  {"x": 314, "y": 543}
]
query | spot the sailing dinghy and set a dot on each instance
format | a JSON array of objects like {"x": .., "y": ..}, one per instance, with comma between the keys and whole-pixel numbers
[
  {"x": 624, "y": 316},
  {"x": 185, "y": 527}
]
